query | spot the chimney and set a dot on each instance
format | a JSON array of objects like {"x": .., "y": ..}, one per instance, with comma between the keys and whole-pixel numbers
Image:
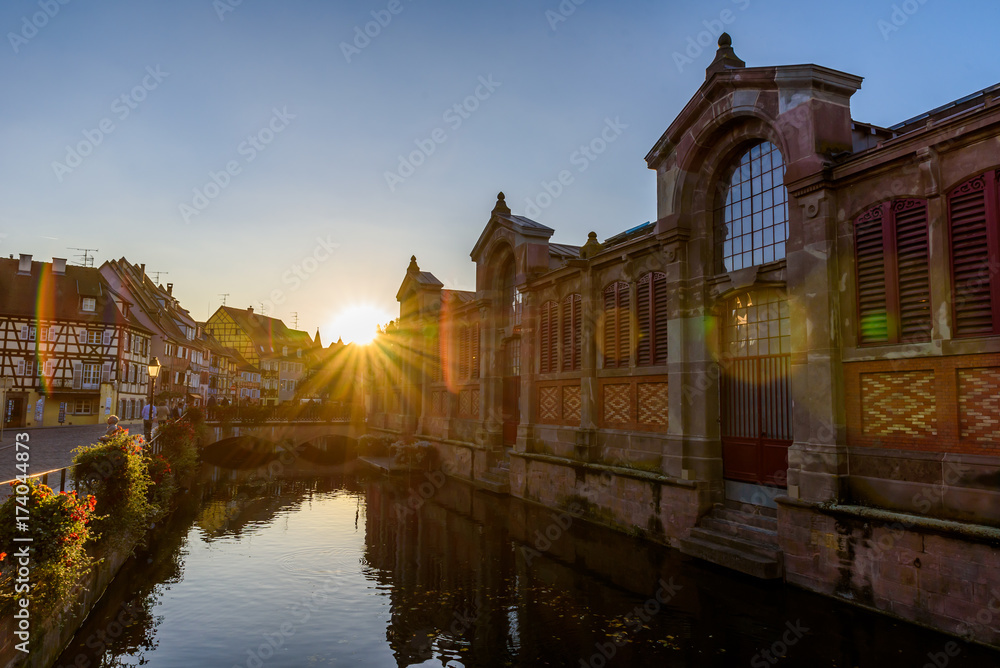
[
  {"x": 249, "y": 309},
  {"x": 170, "y": 289},
  {"x": 24, "y": 266},
  {"x": 142, "y": 271},
  {"x": 59, "y": 266}
]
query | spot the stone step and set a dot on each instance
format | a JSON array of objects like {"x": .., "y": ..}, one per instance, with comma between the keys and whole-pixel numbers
[
  {"x": 761, "y": 549},
  {"x": 747, "y": 519},
  {"x": 731, "y": 557},
  {"x": 740, "y": 530},
  {"x": 493, "y": 482}
]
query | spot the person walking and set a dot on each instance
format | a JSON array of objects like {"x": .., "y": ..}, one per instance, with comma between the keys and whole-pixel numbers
[{"x": 147, "y": 421}]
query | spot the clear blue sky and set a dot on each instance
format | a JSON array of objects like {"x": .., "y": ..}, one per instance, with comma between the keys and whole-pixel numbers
[{"x": 553, "y": 85}]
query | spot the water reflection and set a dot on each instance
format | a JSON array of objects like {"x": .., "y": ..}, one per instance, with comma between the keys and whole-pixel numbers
[{"x": 324, "y": 567}]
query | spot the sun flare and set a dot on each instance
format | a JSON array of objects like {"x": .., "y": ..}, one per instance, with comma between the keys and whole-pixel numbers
[{"x": 357, "y": 323}]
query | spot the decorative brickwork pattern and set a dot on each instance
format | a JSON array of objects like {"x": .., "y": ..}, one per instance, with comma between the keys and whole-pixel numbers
[
  {"x": 979, "y": 404},
  {"x": 437, "y": 402},
  {"x": 899, "y": 404},
  {"x": 617, "y": 404},
  {"x": 468, "y": 403},
  {"x": 571, "y": 403},
  {"x": 548, "y": 404},
  {"x": 652, "y": 402}
]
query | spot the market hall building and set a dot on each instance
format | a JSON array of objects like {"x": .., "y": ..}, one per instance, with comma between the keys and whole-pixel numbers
[{"x": 793, "y": 372}]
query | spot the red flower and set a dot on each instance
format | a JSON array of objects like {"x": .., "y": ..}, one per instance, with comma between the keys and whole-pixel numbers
[{"x": 3, "y": 555}]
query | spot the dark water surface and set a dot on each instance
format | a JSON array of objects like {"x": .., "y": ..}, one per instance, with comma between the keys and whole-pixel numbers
[{"x": 330, "y": 567}]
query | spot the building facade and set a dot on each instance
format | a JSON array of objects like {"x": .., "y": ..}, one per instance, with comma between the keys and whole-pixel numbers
[
  {"x": 793, "y": 371},
  {"x": 72, "y": 348}
]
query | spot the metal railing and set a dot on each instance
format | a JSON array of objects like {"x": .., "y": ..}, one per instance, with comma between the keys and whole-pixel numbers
[{"x": 65, "y": 480}]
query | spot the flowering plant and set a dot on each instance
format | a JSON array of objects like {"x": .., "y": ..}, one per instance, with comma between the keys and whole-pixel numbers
[{"x": 60, "y": 526}]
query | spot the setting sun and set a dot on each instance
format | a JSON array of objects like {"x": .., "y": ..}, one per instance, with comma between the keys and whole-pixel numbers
[{"x": 357, "y": 323}]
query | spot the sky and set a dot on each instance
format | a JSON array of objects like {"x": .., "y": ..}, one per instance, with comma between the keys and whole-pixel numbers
[{"x": 293, "y": 155}]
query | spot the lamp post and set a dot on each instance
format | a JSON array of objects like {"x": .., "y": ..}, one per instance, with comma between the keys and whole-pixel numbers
[
  {"x": 154, "y": 371},
  {"x": 5, "y": 384}
]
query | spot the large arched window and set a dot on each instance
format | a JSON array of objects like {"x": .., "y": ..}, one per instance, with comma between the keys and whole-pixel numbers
[
  {"x": 752, "y": 215},
  {"x": 510, "y": 296}
]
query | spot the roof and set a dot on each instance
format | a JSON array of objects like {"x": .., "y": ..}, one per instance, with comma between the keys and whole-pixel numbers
[
  {"x": 459, "y": 296},
  {"x": 564, "y": 251},
  {"x": 46, "y": 295},
  {"x": 629, "y": 234},
  {"x": 961, "y": 105},
  {"x": 268, "y": 333}
]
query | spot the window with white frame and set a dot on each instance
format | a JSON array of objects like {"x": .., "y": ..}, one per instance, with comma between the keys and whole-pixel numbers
[
  {"x": 91, "y": 376},
  {"x": 94, "y": 336},
  {"x": 88, "y": 304}
]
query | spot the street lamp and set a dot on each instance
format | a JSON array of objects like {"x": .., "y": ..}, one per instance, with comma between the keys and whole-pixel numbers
[
  {"x": 5, "y": 384},
  {"x": 154, "y": 371}
]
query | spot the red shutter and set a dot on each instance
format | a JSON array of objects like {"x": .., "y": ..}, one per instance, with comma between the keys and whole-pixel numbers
[
  {"x": 624, "y": 325},
  {"x": 544, "y": 339},
  {"x": 968, "y": 208},
  {"x": 870, "y": 256},
  {"x": 643, "y": 314},
  {"x": 610, "y": 327},
  {"x": 910, "y": 220},
  {"x": 463, "y": 353},
  {"x": 572, "y": 321},
  {"x": 474, "y": 362},
  {"x": 659, "y": 318}
]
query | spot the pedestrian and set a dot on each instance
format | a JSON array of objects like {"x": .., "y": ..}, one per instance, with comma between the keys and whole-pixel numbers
[
  {"x": 113, "y": 429},
  {"x": 147, "y": 420}
]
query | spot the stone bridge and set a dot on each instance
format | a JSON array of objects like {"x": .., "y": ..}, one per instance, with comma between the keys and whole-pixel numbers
[{"x": 293, "y": 433}]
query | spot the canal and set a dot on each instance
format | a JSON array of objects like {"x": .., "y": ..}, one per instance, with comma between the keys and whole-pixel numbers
[{"x": 328, "y": 566}]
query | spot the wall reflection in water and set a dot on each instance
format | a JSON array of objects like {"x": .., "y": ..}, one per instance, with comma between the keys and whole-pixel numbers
[{"x": 423, "y": 571}]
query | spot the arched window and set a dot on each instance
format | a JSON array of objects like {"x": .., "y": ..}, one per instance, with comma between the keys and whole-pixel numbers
[
  {"x": 974, "y": 227},
  {"x": 510, "y": 297},
  {"x": 617, "y": 345},
  {"x": 890, "y": 245},
  {"x": 572, "y": 332},
  {"x": 752, "y": 216}
]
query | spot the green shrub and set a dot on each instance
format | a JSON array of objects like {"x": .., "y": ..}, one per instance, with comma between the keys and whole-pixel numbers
[
  {"x": 117, "y": 473},
  {"x": 178, "y": 443}
]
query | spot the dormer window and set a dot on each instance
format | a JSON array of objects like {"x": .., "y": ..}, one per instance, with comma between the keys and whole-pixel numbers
[{"x": 88, "y": 304}]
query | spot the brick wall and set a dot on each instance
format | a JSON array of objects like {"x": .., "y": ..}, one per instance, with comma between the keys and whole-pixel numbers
[{"x": 942, "y": 404}]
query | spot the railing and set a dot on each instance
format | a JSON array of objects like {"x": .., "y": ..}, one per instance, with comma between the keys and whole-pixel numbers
[
  {"x": 65, "y": 480},
  {"x": 281, "y": 413}
]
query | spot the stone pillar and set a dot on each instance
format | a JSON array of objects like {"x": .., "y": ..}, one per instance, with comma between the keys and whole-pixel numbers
[
  {"x": 817, "y": 459},
  {"x": 591, "y": 304},
  {"x": 490, "y": 433},
  {"x": 529, "y": 372}
]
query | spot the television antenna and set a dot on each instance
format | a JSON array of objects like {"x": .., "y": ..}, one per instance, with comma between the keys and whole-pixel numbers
[
  {"x": 295, "y": 320},
  {"x": 223, "y": 295},
  {"x": 156, "y": 280},
  {"x": 85, "y": 258}
]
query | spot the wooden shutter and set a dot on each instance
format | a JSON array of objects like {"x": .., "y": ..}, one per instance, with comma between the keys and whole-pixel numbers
[
  {"x": 970, "y": 213},
  {"x": 909, "y": 219},
  {"x": 106, "y": 372},
  {"x": 83, "y": 337},
  {"x": 651, "y": 317},
  {"x": 616, "y": 325},
  {"x": 77, "y": 375},
  {"x": 870, "y": 262},
  {"x": 52, "y": 334},
  {"x": 463, "y": 353},
  {"x": 47, "y": 367},
  {"x": 474, "y": 345},
  {"x": 20, "y": 368},
  {"x": 106, "y": 339},
  {"x": 24, "y": 333},
  {"x": 572, "y": 321},
  {"x": 659, "y": 318},
  {"x": 548, "y": 328}
]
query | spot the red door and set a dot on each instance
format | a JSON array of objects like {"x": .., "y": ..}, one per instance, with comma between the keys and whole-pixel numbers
[{"x": 756, "y": 420}]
